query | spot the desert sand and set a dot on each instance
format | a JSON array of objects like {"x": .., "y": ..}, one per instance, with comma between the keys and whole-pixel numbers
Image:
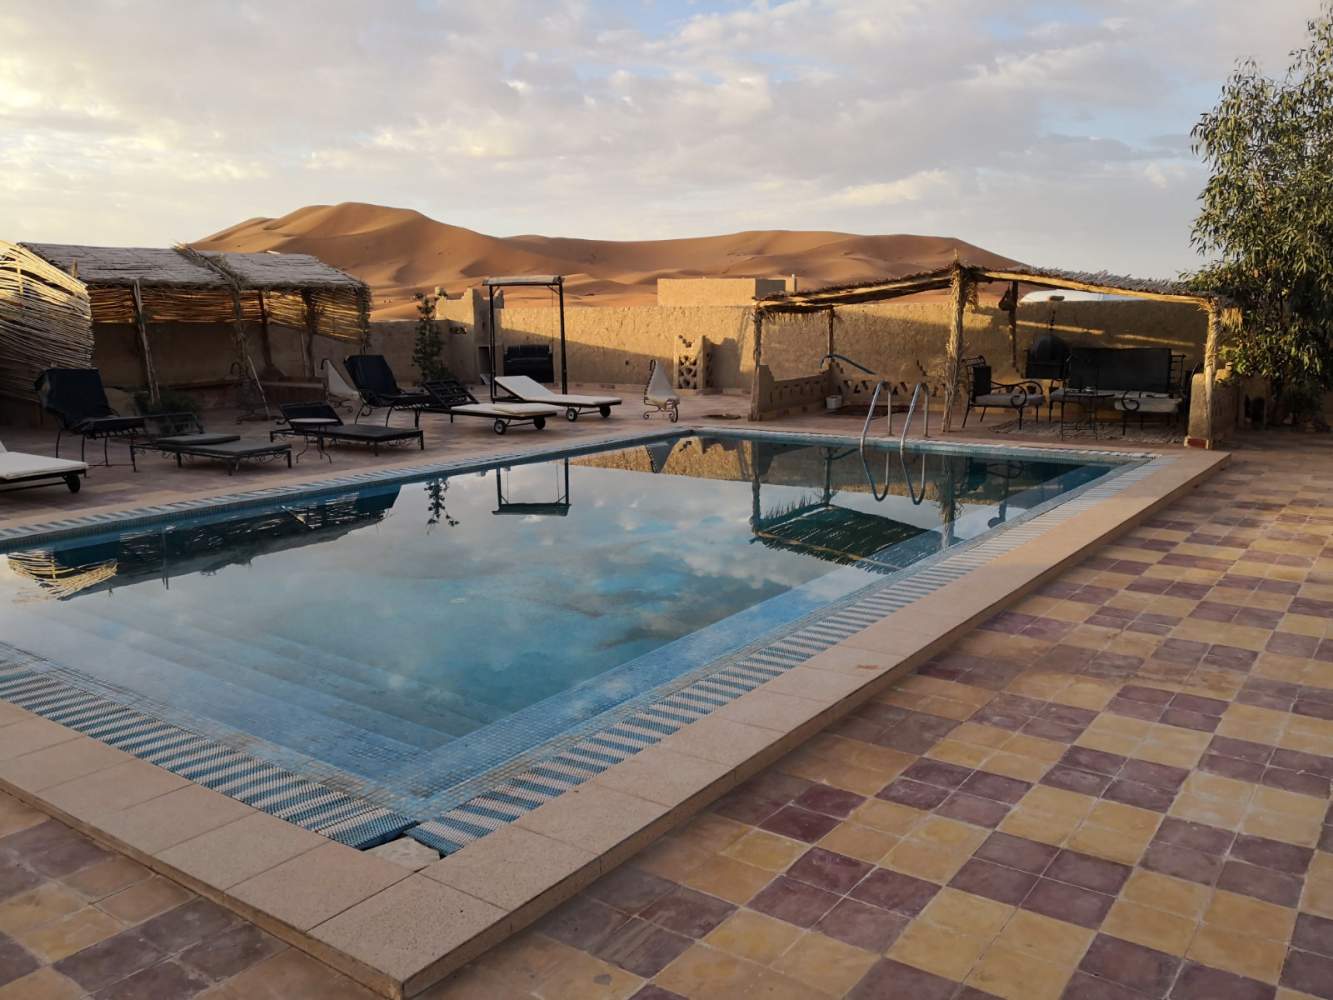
[{"x": 400, "y": 252}]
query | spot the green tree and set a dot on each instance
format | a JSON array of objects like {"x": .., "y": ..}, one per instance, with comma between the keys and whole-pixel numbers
[
  {"x": 428, "y": 350},
  {"x": 1266, "y": 215}
]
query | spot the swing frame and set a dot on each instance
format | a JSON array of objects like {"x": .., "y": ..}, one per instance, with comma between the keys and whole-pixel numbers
[{"x": 553, "y": 282}]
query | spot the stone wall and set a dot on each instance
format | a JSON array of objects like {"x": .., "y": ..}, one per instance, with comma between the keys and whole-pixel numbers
[{"x": 901, "y": 340}]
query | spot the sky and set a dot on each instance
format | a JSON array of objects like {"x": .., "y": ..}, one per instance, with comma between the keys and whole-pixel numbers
[{"x": 1054, "y": 133}]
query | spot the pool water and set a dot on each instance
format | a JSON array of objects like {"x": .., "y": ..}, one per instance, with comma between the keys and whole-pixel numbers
[{"x": 413, "y": 635}]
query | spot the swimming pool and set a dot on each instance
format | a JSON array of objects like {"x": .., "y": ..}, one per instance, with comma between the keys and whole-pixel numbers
[{"x": 405, "y": 643}]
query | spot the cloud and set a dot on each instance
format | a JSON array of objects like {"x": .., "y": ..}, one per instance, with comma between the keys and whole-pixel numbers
[{"x": 1050, "y": 133}]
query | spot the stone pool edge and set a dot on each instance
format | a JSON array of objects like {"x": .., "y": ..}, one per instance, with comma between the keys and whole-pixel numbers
[{"x": 386, "y": 926}]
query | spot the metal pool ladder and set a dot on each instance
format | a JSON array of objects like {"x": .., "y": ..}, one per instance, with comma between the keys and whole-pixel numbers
[
  {"x": 921, "y": 389},
  {"x": 870, "y": 414}
]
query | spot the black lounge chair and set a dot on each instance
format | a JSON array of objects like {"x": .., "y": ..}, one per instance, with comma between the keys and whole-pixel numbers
[
  {"x": 448, "y": 395},
  {"x": 182, "y": 435},
  {"x": 374, "y": 382},
  {"x": 319, "y": 422},
  {"x": 78, "y": 400}
]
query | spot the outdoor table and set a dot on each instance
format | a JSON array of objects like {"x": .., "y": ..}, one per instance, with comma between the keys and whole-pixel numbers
[
  {"x": 312, "y": 427},
  {"x": 1088, "y": 401}
]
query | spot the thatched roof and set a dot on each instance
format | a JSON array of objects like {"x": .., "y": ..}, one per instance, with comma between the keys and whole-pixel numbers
[
  {"x": 121, "y": 267},
  {"x": 165, "y": 267},
  {"x": 809, "y": 300},
  {"x": 184, "y": 285},
  {"x": 282, "y": 271}
]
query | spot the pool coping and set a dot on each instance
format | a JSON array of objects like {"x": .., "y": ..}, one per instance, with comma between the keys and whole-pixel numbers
[{"x": 381, "y": 923}]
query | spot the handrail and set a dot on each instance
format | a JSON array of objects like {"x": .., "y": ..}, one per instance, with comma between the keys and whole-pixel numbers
[
  {"x": 843, "y": 357},
  {"x": 870, "y": 414},
  {"x": 925, "y": 414}
]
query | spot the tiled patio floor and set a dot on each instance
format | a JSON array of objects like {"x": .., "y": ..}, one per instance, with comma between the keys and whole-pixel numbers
[
  {"x": 1116, "y": 790},
  {"x": 78, "y": 920}
]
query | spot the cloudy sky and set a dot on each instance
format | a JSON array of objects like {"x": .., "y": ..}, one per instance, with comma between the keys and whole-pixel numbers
[{"x": 1055, "y": 132}]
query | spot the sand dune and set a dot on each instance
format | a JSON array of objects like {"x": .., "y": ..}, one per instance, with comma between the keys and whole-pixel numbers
[{"x": 399, "y": 252}]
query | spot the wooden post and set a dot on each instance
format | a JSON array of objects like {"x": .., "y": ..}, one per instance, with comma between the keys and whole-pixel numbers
[
  {"x": 758, "y": 360},
  {"x": 758, "y": 338},
  {"x": 1210, "y": 371},
  {"x": 146, "y": 354},
  {"x": 311, "y": 326},
  {"x": 954, "y": 352},
  {"x": 1013, "y": 325},
  {"x": 564, "y": 370},
  {"x": 830, "y": 332},
  {"x": 265, "y": 345}
]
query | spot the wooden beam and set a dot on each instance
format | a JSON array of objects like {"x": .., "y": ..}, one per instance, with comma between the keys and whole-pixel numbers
[
  {"x": 954, "y": 350},
  {"x": 145, "y": 352},
  {"x": 1073, "y": 284},
  {"x": 830, "y": 329}
]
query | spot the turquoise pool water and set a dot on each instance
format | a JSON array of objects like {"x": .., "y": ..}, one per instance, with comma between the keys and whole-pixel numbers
[{"x": 411, "y": 636}]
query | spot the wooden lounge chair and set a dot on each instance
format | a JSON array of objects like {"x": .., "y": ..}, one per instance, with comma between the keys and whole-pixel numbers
[
  {"x": 19, "y": 470},
  {"x": 522, "y": 389},
  {"x": 319, "y": 422},
  {"x": 77, "y": 399},
  {"x": 450, "y": 396}
]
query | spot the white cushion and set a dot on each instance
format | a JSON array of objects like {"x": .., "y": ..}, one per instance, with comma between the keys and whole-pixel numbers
[
  {"x": 530, "y": 389},
  {"x": 505, "y": 410},
  {"x": 18, "y": 465}
]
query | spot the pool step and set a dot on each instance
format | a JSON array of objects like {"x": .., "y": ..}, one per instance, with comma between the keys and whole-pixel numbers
[
  {"x": 213, "y": 688},
  {"x": 401, "y": 698},
  {"x": 363, "y": 693}
]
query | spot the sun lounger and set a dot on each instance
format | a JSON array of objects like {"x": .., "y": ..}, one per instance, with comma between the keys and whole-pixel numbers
[
  {"x": 78, "y": 400},
  {"x": 659, "y": 395},
  {"x": 374, "y": 380},
  {"x": 19, "y": 470},
  {"x": 339, "y": 394},
  {"x": 182, "y": 435},
  {"x": 319, "y": 422},
  {"x": 523, "y": 389},
  {"x": 452, "y": 397}
]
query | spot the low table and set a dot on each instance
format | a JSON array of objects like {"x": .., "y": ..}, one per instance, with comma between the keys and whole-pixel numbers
[
  {"x": 1088, "y": 400},
  {"x": 312, "y": 427}
]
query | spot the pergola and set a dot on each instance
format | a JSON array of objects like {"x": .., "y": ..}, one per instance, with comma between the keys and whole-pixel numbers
[
  {"x": 961, "y": 278},
  {"x": 143, "y": 286}
]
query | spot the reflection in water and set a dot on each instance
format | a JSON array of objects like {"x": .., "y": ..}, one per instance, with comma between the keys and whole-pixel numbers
[
  {"x": 559, "y": 506},
  {"x": 207, "y": 546},
  {"x": 380, "y": 645}
]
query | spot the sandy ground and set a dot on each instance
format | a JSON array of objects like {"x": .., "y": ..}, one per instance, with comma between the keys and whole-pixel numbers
[{"x": 399, "y": 252}]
